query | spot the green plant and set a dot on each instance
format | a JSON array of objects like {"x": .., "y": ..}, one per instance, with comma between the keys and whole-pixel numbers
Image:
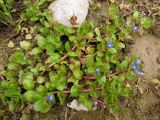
[
  {"x": 86, "y": 64},
  {"x": 5, "y": 13},
  {"x": 10, "y": 92},
  {"x": 34, "y": 13}
]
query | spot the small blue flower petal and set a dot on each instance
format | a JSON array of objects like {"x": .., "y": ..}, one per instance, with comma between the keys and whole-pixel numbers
[
  {"x": 134, "y": 28},
  {"x": 50, "y": 98},
  {"x": 138, "y": 62},
  {"x": 97, "y": 70},
  {"x": 139, "y": 72},
  {"x": 128, "y": 23},
  {"x": 110, "y": 45},
  {"x": 134, "y": 67}
]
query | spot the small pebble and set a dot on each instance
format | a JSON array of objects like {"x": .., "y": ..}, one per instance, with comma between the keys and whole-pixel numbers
[{"x": 11, "y": 44}]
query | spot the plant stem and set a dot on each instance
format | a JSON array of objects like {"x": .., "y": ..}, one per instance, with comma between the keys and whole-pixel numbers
[
  {"x": 1, "y": 77},
  {"x": 89, "y": 77},
  {"x": 97, "y": 100},
  {"x": 65, "y": 56},
  {"x": 81, "y": 91},
  {"x": 73, "y": 48},
  {"x": 109, "y": 76},
  {"x": 117, "y": 73},
  {"x": 82, "y": 60}
]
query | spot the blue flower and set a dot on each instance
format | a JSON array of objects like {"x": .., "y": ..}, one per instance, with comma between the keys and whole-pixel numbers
[
  {"x": 134, "y": 67},
  {"x": 110, "y": 45},
  {"x": 128, "y": 23},
  {"x": 97, "y": 70},
  {"x": 139, "y": 72},
  {"x": 138, "y": 62},
  {"x": 50, "y": 98},
  {"x": 134, "y": 28}
]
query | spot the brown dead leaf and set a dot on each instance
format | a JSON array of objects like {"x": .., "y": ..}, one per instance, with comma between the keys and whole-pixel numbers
[{"x": 125, "y": 6}]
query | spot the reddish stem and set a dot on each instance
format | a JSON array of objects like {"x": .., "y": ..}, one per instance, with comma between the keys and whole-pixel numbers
[
  {"x": 63, "y": 58},
  {"x": 117, "y": 73},
  {"x": 1, "y": 77},
  {"x": 89, "y": 77},
  {"x": 82, "y": 60},
  {"x": 97, "y": 100},
  {"x": 73, "y": 48},
  {"x": 110, "y": 75},
  {"x": 87, "y": 90},
  {"x": 81, "y": 91}
]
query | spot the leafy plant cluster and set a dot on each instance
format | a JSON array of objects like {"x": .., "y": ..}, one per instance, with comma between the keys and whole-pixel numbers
[
  {"x": 5, "y": 12},
  {"x": 85, "y": 62},
  {"x": 34, "y": 13}
]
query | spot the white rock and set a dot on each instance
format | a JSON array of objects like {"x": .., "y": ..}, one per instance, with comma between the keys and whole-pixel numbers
[
  {"x": 64, "y": 10},
  {"x": 75, "y": 105}
]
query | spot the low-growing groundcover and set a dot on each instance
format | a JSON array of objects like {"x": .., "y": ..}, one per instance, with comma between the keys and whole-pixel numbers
[{"x": 85, "y": 63}]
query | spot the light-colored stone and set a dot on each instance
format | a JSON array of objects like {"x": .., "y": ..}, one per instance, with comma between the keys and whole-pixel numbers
[
  {"x": 75, "y": 105},
  {"x": 64, "y": 10},
  {"x": 11, "y": 44}
]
